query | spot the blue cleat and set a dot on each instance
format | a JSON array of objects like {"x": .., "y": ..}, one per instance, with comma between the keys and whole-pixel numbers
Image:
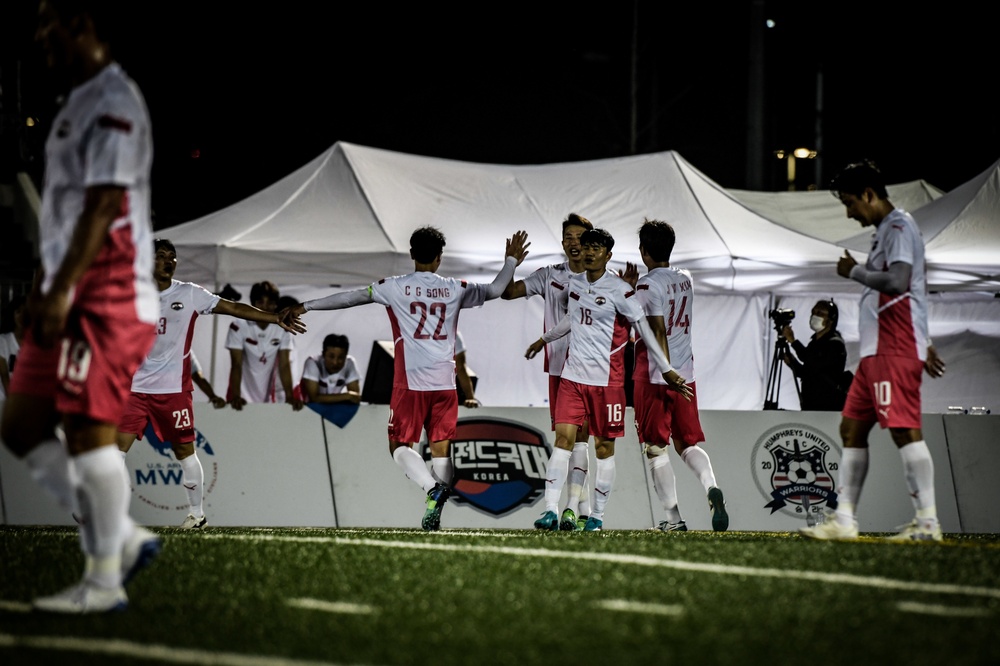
[
  {"x": 593, "y": 525},
  {"x": 436, "y": 498},
  {"x": 549, "y": 521}
]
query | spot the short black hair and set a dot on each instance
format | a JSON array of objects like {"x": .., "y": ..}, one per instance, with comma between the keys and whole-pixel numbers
[
  {"x": 597, "y": 237},
  {"x": 574, "y": 220},
  {"x": 426, "y": 244},
  {"x": 262, "y": 289},
  {"x": 163, "y": 243},
  {"x": 833, "y": 312},
  {"x": 856, "y": 177},
  {"x": 336, "y": 340},
  {"x": 657, "y": 238}
]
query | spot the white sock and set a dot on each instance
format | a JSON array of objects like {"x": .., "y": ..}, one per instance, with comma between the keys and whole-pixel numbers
[
  {"x": 556, "y": 472},
  {"x": 604, "y": 480},
  {"x": 918, "y": 466},
  {"x": 414, "y": 467},
  {"x": 853, "y": 470},
  {"x": 443, "y": 469},
  {"x": 578, "y": 498},
  {"x": 193, "y": 478},
  {"x": 697, "y": 459},
  {"x": 665, "y": 485},
  {"x": 126, "y": 475},
  {"x": 104, "y": 503},
  {"x": 53, "y": 469}
]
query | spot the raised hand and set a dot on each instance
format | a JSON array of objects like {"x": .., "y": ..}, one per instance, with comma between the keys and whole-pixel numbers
[
  {"x": 845, "y": 264},
  {"x": 517, "y": 246},
  {"x": 630, "y": 274}
]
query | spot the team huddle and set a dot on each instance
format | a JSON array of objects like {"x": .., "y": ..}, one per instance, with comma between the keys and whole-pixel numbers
[{"x": 106, "y": 348}]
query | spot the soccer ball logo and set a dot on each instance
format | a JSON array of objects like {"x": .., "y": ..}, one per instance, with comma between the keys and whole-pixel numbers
[{"x": 801, "y": 472}]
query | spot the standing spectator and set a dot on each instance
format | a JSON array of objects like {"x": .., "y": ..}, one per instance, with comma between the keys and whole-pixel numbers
[
  {"x": 552, "y": 284},
  {"x": 93, "y": 308},
  {"x": 592, "y": 390},
  {"x": 820, "y": 366},
  {"x": 423, "y": 308},
  {"x": 667, "y": 298},
  {"x": 895, "y": 348},
  {"x": 333, "y": 376},
  {"x": 162, "y": 386},
  {"x": 259, "y": 355},
  {"x": 10, "y": 341}
]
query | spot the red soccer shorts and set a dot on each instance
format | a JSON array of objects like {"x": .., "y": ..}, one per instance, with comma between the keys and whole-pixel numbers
[
  {"x": 661, "y": 414},
  {"x": 171, "y": 414},
  {"x": 603, "y": 407},
  {"x": 410, "y": 412},
  {"x": 885, "y": 389}
]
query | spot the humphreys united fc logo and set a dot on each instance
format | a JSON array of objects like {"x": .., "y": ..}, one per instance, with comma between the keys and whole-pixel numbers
[
  {"x": 499, "y": 464},
  {"x": 793, "y": 467}
]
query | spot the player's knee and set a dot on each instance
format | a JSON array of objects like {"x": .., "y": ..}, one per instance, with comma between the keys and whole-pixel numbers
[{"x": 654, "y": 450}]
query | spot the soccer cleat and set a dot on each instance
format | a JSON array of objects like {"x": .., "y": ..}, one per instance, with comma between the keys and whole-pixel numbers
[
  {"x": 436, "y": 498},
  {"x": 831, "y": 530},
  {"x": 717, "y": 503},
  {"x": 84, "y": 597},
  {"x": 192, "y": 523},
  {"x": 139, "y": 551},
  {"x": 568, "y": 521},
  {"x": 666, "y": 526},
  {"x": 914, "y": 531},
  {"x": 581, "y": 522},
  {"x": 549, "y": 521},
  {"x": 593, "y": 525}
]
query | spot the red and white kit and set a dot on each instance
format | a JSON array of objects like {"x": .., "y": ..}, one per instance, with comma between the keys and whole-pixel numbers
[
  {"x": 260, "y": 348},
  {"x": 101, "y": 136}
]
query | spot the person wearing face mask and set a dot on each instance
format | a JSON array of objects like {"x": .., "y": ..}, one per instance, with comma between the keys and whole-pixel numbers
[{"x": 820, "y": 365}]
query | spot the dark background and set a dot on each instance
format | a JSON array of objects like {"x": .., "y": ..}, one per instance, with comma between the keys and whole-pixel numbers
[{"x": 242, "y": 94}]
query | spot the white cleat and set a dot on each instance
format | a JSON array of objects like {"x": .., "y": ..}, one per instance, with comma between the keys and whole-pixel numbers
[
  {"x": 918, "y": 530},
  {"x": 192, "y": 523},
  {"x": 831, "y": 530},
  {"x": 84, "y": 597},
  {"x": 139, "y": 551}
]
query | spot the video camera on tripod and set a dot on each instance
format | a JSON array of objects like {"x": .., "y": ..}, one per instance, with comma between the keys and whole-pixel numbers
[{"x": 781, "y": 317}]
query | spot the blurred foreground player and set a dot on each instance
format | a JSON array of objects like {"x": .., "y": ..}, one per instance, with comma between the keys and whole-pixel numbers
[{"x": 93, "y": 306}]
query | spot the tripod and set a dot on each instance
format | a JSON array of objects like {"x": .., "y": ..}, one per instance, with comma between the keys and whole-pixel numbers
[{"x": 773, "y": 390}]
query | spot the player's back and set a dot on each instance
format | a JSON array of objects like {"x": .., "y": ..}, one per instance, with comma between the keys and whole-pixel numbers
[
  {"x": 666, "y": 291},
  {"x": 423, "y": 311}
]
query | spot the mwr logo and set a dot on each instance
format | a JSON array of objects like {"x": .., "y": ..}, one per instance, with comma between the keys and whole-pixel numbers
[
  {"x": 157, "y": 478},
  {"x": 792, "y": 466},
  {"x": 499, "y": 464}
]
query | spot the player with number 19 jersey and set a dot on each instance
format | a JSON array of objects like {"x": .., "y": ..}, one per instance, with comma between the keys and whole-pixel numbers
[{"x": 423, "y": 311}]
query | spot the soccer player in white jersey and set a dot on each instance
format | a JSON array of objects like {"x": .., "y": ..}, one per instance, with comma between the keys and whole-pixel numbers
[
  {"x": 423, "y": 309},
  {"x": 895, "y": 348},
  {"x": 602, "y": 311},
  {"x": 260, "y": 355},
  {"x": 551, "y": 283},
  {"x": 162, "y": 389},
  {"x": 93, "y": 307},
  {"x": 333, "y": 376},
  {"x": 667, "y": 298}
]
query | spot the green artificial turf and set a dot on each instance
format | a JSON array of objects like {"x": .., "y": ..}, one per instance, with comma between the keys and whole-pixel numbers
[{"x": 232, "y": 596}]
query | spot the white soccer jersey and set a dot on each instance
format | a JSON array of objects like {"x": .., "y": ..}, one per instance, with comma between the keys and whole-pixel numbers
[
  {"x": 666, "y": 292},
  {"x": 167, "y": 368},
  {"x": 551, "y": 283},
  {"x": 602, "y": 314},
  {"x": 895, "y": 325},
  {"x": 330, "y": 384},
  {"x": 260, "y": 348},
  {"x": 9, "y": 348},
  {"x": 102, "y": 136},
  {"x": 423, "y": 310}
]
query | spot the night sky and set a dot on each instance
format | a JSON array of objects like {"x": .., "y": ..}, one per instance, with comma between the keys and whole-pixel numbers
[{"x": 242, "y": 94}]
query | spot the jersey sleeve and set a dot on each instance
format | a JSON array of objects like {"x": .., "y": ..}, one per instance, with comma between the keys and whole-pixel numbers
[
  {"x": 628, "y": 303},
  {"x": 204, "y": 300},
  {"x": 115, "y": 146},
  {"x": 286, "y": 341},
  {"x": 310, "y": 370},
  {"x": 234, "y": 336},
  {"x": 898, "y": 243},
  {"x": 351, "y": 371},
  {"x": 534, "y": 284}
]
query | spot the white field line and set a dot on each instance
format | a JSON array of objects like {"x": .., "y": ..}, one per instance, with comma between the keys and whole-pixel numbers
[
  {"x": 639, "y": 560},
  {"x": 163, "y": 653},
  {"x": 938, "y": 609},
  {"x": 626, "y": 606},
  {"x": 14, "y": 606},
  {"x": 331, "y": 606}
]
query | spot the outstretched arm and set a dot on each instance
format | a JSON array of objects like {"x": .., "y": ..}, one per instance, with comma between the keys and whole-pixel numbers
[
  {"x": 338, "y": 301},
  {"x": 517, "y": 250},
  {"x": 250, "y": 313}
]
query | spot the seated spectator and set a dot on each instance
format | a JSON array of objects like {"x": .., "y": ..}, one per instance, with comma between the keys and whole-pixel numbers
[{"x": 332, "y": 377}]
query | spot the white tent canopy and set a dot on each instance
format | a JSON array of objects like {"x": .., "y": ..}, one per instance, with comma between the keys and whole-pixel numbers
[{"x": 344, "y": 220}]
